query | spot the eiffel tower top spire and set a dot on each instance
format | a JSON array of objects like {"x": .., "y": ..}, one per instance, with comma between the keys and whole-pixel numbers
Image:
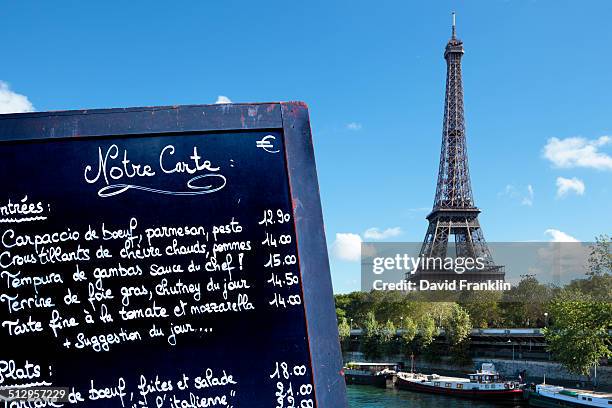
[
  {"x": 454, "y": 44},
  {"x": 454, "y": 189}
]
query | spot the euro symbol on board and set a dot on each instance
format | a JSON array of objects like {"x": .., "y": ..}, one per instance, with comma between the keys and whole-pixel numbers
[{"x": 266, "y": 144}]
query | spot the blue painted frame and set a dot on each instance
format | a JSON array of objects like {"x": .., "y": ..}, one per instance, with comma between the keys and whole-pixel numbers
[{"x": 289, "y": 117}]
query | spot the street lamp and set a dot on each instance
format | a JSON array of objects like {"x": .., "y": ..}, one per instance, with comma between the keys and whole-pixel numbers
[
  {"x": 401, "y": 322},
  {"x": 510, "y": 341},
  {"x": 545, "y": 319}
]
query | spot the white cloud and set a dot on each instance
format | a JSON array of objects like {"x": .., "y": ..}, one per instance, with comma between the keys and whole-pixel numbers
[
  {"x": 375, "y": 233},
  {"x": 578, "y": 152},
  {"x": 11, "y": 102},
  {"x": 350, "y": 247},
  {"x": 559, "y": 236},
  {"x": 566, "y": 185},
  {"x": 564, "y": 258},
  {"x": 523, "y": 195},
  {"x": 354, "y": 126},
  {"x": 347, "y": 246},
  {"x": 223, "y": 99}
]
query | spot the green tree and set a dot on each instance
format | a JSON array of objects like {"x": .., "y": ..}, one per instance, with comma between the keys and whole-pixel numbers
[
  {"x": 340, "y": 314},
  {"x": 598, "y": 281},
  {"x": 600, "y": 258},
  {"x": 355, "y": 305},
  {"x": 579, "y": 336},
  {"x": 418, "y": 336},
  {"x": 457, "y": 329},
  {"x": 344, "y": 332},
  {"x": 407, "y": 337},
  {"x": 427, "y": 331},
  {"x": 389, "y": 339},
  {"x": 483, "y": 307},
  {"x": 458, "y": 326},
  {"x": 440, "y": 312},
  {"x": 371, "y": 338},
  {"x": 599, "y": 287},
  {"x": 525, "y": 304}
]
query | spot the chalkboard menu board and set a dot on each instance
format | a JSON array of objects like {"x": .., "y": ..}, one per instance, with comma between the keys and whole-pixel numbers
[{"x": 166, "y": 257}]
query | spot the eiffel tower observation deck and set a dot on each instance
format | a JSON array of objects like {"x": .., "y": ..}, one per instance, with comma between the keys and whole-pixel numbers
[{"x": 454, "y": 230}]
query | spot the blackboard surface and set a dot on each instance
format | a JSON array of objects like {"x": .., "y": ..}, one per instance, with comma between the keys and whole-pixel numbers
[{"x": 166, "y": 257}]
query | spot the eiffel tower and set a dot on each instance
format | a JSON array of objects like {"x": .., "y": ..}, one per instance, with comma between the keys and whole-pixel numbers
[{"x": 454, "y": 214}]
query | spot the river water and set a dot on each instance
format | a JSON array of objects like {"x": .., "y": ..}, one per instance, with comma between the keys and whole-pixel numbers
[{"x": 364, "y": 396}]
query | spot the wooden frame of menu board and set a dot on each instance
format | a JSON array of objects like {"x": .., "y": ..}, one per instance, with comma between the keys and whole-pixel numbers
[{"x": 291, "y": 121}]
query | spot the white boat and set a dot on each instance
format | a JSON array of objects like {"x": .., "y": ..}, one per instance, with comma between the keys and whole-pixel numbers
[
  {"x": 549, "y": 396},
  {"x": 485, "y": 384}
]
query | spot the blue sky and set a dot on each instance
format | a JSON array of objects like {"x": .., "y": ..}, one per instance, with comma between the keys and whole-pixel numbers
[{"x": 373, "y": 77}]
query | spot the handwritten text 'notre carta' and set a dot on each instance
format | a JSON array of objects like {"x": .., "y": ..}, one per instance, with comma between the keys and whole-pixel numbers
[{"x": 114, "y": 168}]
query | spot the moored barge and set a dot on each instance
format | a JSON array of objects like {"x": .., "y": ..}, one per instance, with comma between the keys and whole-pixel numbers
[
  {"x": 376, "y": 374},
  {"x": 485, "y": 384},
  {"x": 552, "y": 396}
]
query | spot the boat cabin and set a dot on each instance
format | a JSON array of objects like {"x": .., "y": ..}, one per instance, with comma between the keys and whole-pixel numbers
[{"x": 487, "y": 374}]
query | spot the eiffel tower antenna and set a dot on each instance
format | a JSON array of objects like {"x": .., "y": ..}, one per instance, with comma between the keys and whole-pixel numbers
[{"x": 454, "y": 214}]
